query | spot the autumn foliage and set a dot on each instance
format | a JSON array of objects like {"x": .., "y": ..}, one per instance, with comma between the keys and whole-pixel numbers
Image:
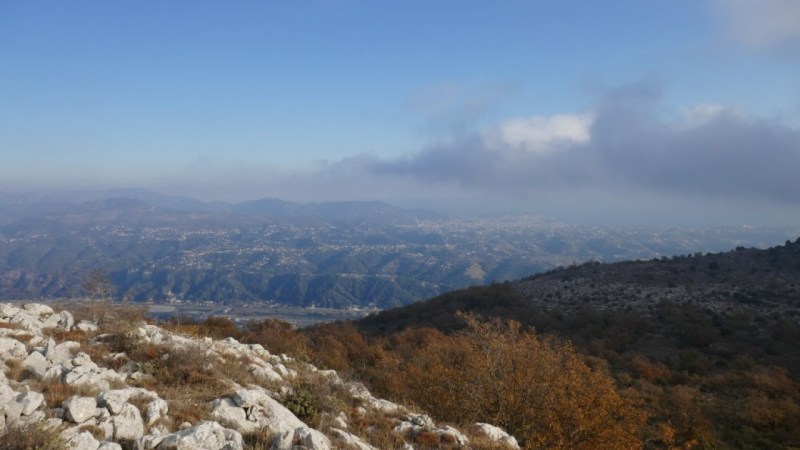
[{"x": 537, "y": 388}]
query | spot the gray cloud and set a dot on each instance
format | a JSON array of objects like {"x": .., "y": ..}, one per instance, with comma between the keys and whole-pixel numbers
[
  {"x": 715, "y": 152},
  {"x": 761, "y": 24}
]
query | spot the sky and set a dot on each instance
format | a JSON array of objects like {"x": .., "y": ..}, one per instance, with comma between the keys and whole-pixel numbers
[{"x": 660, "y": 112}]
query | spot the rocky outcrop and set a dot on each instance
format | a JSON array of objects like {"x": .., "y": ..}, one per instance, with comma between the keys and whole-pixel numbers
[
  {"x": 106, "y": 408},
  {"x": 494, "y": 434}
]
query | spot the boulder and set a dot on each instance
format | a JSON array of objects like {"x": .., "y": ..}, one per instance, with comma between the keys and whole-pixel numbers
[
  {"x": 28, "y": 323},
  {"x": 229, "y": 414},
  {"x": 495, "y": 434},
  {"x": 7, "y": 310},
  {"x": 205, "y": 435},
  {"x": 52, "y": 321},
  {"x": 12, "y": 349},
  {"x": 37, "y": 364},
  {"x": 156, "y": 409},
  {"x": 128, "y": 424},
  {"x": 82, "y": 441},
  {"x": 38, "y": 310},
  {"x": 86, "y": 326},
  {"x": 30, "y": 402},
  {"x": 264, "y": 373},
  {"x": 80, "y": 409},
  {"x": 66, "y": 320},
  {"x": 54, "y": 373},
  {"x": 114, "y": 400},
  {"x": 60, "y": 353},
  {"x": 36, "y": 417},
  {"x": 264, "y": 411},
  {"x": 304, "y": 437}
]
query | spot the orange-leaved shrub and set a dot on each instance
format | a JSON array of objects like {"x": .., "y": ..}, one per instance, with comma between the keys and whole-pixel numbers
[{"x": 537, "y": 388}]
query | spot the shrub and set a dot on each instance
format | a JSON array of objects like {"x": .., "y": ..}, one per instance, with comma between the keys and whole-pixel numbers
[
  {"x": 537, "y": 388},
  {"x": 31, "y": 437},
  {"x": 302, "y": 403}
]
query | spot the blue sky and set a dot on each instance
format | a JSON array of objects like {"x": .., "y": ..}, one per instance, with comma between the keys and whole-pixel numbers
[{"x": 591, "y": 111}]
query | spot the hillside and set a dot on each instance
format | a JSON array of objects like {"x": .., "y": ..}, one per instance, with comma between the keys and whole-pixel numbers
[
  {"x": 710, "y": 342},
  {"x": 756, "y": 283},
  {"x": 109, "y": 382}
]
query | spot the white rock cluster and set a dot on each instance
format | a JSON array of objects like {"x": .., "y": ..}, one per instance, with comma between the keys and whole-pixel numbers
[{"x": 110, "y": 413}]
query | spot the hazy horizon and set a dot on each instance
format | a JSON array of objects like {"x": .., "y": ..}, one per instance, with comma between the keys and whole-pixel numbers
[{"x": 655, "y": 113}]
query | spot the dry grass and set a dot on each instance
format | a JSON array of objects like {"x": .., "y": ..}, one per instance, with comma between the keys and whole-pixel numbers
[
  {"x": 14, "y": 369},
  {"x": 376, "y": 430},
  {"x": 96, "y": 431},
  {"x": 56, "y": 392},
  {"x": 261, "y": 440},
  {"x": 30, "y": 437},
  {"x": 110, "y": 317},
  {"x": 185, "y": 408}
]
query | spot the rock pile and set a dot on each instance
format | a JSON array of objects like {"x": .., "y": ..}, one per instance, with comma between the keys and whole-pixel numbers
[{"x": 106, "y": 407}]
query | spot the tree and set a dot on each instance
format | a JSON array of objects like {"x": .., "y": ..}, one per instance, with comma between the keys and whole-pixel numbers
[{"x": 537, "y": 388}]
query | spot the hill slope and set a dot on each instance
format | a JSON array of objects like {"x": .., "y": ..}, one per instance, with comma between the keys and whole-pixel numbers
[
  {"x": 710, "y": 343},
  {"x": 110, "y": 383}
]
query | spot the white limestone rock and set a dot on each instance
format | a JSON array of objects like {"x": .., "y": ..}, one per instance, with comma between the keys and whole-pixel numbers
[
  {"x": 264, "y": 373},
  {"x": 80, "y": 409},
  {"x": 205, "y": 435},
  {"x": 13, "y": 410},
  {"x": 86, "y": 326},
  {"x": 83, "y": 359},
  {"x": 51, "y": 322},
  {"x": 28, "y": 323},
  {"x": 148, "y": 442},
  {"x": 107, "y": 426},
  {"x": 350, "y": 440},
  {"x": 35, "y": 418},
  {"x": 60, "y": 353},
  {"x": 265, "y": 411},
  {"x": 30, "y": 402},
  {"x": 156, "y": 409},
  {"x": 7, "y": 395},
  {"x": 36, "y": 363},
  {"x": 114, "y": 400},
  {"x": 495, "y": 434},
  {"x": 421, "y": 420},
  {"x": 67, "y": 321},
  {"x": 12, "y": 348},
  {"x": 7, "y": 310},
  {"x": 229, "y": 414},
  {"x": 109, "y": 446},
  {"x": 128, "y": 424},
  {"x": 38, "y": 310},
  {"x": 54, "y": 373},
  {"x": 83, "y": 441},
  {"x": 304, "y": 437}
]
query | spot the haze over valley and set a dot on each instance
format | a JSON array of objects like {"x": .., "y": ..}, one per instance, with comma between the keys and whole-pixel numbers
[{"x": 329, "y": 255}]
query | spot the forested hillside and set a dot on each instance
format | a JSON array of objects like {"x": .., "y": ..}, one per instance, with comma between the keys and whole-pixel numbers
[{"x": 708, "y": 346}]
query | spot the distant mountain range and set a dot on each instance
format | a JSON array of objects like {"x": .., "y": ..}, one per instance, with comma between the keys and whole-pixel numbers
[{"x": 334, "y": 254}]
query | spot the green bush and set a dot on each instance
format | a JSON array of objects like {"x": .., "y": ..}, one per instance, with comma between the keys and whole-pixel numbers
[{"x": 302, "y": 403}]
